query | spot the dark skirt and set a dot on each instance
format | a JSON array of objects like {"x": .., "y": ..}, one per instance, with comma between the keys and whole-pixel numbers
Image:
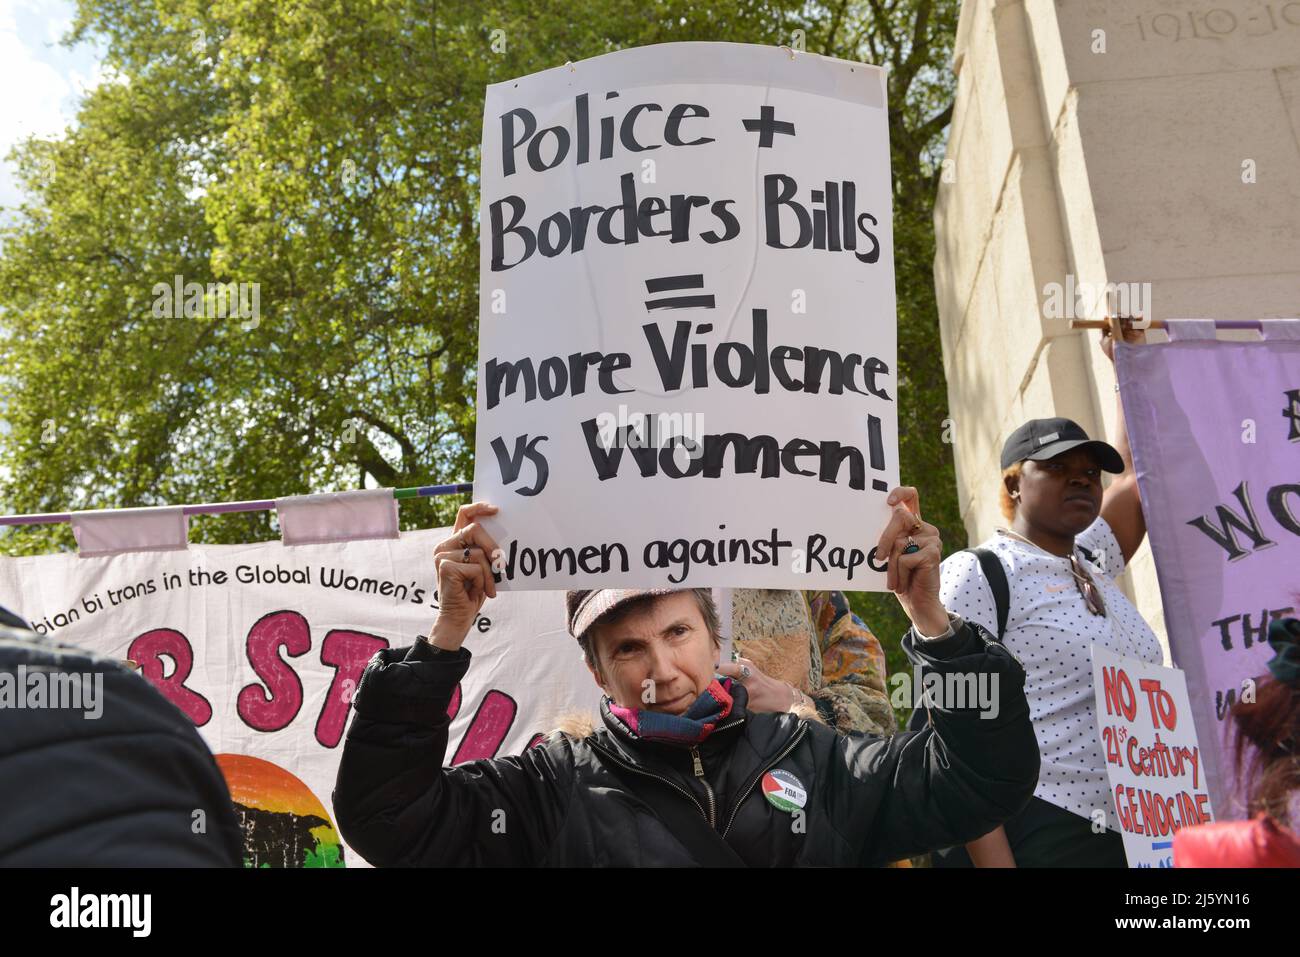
[{"x": 1044, "y": 835}]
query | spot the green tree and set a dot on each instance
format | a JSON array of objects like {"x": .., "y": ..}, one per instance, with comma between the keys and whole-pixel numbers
[{"x": 326, "y": 150}]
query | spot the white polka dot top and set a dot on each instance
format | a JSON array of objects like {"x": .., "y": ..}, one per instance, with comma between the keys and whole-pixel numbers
[{"x": 1050, "y": 629}]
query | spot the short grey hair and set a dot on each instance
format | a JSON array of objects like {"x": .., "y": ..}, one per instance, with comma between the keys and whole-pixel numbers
[{"x": 703, "y": 601}]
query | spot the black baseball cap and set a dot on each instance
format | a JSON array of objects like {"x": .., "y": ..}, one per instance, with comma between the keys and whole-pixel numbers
[{"x": 1042, "y": 439}]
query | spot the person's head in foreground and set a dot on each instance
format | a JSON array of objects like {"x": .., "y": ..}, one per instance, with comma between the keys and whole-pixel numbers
[
  {"x": 102, "y": 770},
  {"x": 682, "y": 772}
]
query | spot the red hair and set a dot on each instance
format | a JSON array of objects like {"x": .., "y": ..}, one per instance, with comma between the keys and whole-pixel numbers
[{"x": 1269, "y": 729}]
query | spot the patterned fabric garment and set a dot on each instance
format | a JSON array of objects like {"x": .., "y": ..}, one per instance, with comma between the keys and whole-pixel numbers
[
  {"x": 773, "y": 629},
  {"x": 684, "y": 730},
  {"x": 813, "y": 641},
  {"x": 852, "y": 666}
]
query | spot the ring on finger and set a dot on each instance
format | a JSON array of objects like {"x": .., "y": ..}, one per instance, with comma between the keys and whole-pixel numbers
[
  {"x": 745, "y": 672},
  {"x": 912, "y": 547},
  {"x": 464, "y": 557}
]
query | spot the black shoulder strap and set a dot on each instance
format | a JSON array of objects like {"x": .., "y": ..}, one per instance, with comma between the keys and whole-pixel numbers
[
  {"x": 997, "y": 579},
  {"x": 682, "y": 817}
]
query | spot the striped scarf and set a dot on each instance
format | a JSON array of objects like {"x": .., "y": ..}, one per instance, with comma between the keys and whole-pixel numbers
[{"x": 683, "y": 730}]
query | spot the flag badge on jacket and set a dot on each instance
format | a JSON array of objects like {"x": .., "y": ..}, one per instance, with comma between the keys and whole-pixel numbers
[{"x": 784, "y": 791}]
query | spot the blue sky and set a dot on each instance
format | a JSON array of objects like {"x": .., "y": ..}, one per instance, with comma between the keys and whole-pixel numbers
[{"x": 41, "y": 80}]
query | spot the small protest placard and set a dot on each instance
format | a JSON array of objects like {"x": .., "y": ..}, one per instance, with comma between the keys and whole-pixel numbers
[{"x": 1157, "y": 775}]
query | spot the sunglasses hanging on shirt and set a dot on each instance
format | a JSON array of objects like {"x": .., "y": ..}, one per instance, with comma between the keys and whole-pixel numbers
[
  {"x": 1087, "y": 586},
  {"x": 1083, "y": 579}
]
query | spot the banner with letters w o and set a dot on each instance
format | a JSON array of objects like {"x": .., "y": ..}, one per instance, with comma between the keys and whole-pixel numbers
[{"x": 1215, "y": 431}]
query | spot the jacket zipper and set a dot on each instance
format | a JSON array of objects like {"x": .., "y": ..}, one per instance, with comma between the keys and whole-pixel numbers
[
  {"x": 658, "y": 777},
  {"x": 699, "y": 773},
  {"x": 1001, "y": 644},
  {"x": 803, "y": 729}
]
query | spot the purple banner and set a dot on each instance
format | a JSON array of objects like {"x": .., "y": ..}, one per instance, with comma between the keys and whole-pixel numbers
[{"x": 1215, "y": 431}]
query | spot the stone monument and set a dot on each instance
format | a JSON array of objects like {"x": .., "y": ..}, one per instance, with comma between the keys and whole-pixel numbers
[{"x": 1153, "y": 145}]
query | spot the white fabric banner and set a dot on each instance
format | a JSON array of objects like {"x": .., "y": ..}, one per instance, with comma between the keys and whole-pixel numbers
[
  {"x": 261, "y": 646},
  {"x": 337, "y": 516},
  {"x": 110, "y": 532},
  {"x": 687, "y": 335}
]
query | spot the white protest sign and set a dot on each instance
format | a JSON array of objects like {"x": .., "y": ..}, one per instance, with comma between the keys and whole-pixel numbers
[
  {"x": 1157, "y": 774},
  {"x": 261, "y": 647},
  {"x": 687, "y": 327}
]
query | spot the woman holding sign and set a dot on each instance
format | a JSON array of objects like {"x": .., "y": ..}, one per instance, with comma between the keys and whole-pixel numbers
[
  {"x": 1045, "y": 585},
  {"x": 682, "y": 773}
]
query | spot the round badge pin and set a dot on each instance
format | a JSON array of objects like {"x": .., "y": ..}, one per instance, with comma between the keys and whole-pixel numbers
[{"x": 784, "y": 791}]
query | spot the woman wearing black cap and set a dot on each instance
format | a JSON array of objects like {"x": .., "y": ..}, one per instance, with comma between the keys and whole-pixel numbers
[{"x": 1066, "y": 541}]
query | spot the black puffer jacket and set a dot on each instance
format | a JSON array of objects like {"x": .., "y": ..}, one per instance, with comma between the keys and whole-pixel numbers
[
  {"x": 592, "y": 801},
  {"x": 119, "y": 788}
]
